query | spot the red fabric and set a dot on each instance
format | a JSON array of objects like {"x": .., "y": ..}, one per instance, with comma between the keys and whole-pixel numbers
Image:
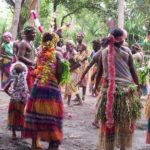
[{"x": 30, "y": 78}]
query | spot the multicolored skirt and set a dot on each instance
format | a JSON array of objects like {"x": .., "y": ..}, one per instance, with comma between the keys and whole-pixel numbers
[
  {"x": 16, "y": 115},
  {"x": 5, "y": 74},
  {"x": 126, "y": 110},
  {"x": 44, "y": 114}
]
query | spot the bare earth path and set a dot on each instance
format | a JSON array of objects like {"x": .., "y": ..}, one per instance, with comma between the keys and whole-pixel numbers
[{"x": 79, "y": 134}]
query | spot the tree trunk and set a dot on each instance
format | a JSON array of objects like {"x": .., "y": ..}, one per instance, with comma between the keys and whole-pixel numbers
[
  {"x": 121, "y": 13},
  {"x": 29, "y": 5},
  {"x": 15, "y": 21}
]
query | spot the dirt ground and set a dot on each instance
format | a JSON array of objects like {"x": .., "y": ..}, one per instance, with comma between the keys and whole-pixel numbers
[{"x": 79, "y": 134}]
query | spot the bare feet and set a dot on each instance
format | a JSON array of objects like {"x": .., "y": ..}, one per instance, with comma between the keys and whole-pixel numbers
[
  {"x": 36, "y": 148},
  {"x": 79, "y": 103},
  {"x": 14, "y": 137},
  {"x": 53, "y": 148}
]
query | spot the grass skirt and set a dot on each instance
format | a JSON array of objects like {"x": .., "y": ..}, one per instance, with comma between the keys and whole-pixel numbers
[
  {"x": 15, "y": 115},
  {"x": 44, "y": 114},
  {"x": 126, "y": 110}
]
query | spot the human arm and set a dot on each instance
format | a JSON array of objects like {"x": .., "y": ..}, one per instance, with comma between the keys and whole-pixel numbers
[
  {"x": 132, "y": 70},
  {"x": 86, "y": 70},
  {"x": 99, "y": 73}
]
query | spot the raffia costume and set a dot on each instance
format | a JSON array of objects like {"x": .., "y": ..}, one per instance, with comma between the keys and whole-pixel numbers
[
  {"x": 44, "y": 109},
  {"x": 71, "y": 87},
  {"x": 126, "y": 103}
]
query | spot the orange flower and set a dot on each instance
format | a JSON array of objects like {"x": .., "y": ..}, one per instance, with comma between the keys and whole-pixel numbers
[
  {"x": 40, "y": 68},
  {"x": 36, "y": 71},
  {"x": 47, "y": 55}
]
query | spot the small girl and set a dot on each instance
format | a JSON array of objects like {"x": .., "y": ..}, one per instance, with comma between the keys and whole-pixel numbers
[{"x": 17, "y": 89}]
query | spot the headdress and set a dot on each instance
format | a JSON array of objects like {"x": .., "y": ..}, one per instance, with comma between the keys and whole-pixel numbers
[
  {"x": 80, "y": 34},
  {"x": 71, "y": 42},
  {"x": 7, "y": 34},
  {"x": 28, "y": 29},
  {"x": 52, "y": 40}
]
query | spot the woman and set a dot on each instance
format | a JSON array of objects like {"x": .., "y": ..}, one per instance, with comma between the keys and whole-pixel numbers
[
  {"x": 44, "y": 109},
  {"x": 7, "y": 57},
  {"x": 120, "y": 101}
]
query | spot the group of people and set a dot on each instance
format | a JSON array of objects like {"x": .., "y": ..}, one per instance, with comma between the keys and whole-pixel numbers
[{"x": 33, "y": 79}]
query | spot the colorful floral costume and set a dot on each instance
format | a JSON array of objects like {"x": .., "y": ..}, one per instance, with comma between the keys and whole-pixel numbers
[{"x": 44, "y": 109}]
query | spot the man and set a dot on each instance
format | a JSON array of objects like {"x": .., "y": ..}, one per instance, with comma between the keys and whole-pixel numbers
[
  {"x": 120, "y": 101},
  {"x": 26, "y": 53},
  {"x": 82, "y": 49},
  {"x": 96, "y": 46}
]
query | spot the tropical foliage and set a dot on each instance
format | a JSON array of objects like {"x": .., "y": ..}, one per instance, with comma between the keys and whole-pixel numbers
[{"x": 89, "y": 16}]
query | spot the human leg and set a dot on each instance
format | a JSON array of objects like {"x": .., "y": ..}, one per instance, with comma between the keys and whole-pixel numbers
[
  {"x": 69, "y": 99},
  {"x": 14, "y": 134},
  {"x": 83, "y": 92}
]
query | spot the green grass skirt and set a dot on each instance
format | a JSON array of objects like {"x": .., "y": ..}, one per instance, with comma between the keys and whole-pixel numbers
[{"x": 126, "y": 110}]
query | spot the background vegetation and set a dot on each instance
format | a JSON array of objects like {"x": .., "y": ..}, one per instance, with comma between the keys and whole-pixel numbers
[{"x": 88, "y": 16}]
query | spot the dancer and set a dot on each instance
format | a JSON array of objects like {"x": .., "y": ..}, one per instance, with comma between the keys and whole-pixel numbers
[
  {"x": 120, "y": 102},
  {"x": 72, "y": 56},
  {"x": 17, "y": 89},
  {"x": 82, "y": 49},
  {"x": 44, "y": 109}
]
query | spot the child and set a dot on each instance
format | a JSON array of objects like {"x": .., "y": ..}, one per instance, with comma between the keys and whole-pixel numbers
[{"x": 18, "y": 91}]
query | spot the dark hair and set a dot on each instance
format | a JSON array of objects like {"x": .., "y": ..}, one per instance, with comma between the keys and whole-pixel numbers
[
  {"x": 104, "y": 42},
  {"x": 28, "y": 29},
  {"x": 96, "y": 42},
  {"x": 47, "y": 37},
  {"x": 116, "y": 32},
  {"x": 19, "y": 68}
]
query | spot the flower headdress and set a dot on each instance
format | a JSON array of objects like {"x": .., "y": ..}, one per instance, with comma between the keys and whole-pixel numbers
[{"x": 51, "y": 43}]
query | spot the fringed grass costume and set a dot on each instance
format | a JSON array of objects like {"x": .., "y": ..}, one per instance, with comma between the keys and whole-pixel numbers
[
  {"x": 120, "y": 102},
  {"x": 19, "y": 93},
  {"x": 44, "y": 110}
]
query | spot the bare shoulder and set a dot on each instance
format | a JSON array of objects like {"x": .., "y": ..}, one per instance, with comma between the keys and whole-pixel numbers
[{"x": 127, "y": 49}]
